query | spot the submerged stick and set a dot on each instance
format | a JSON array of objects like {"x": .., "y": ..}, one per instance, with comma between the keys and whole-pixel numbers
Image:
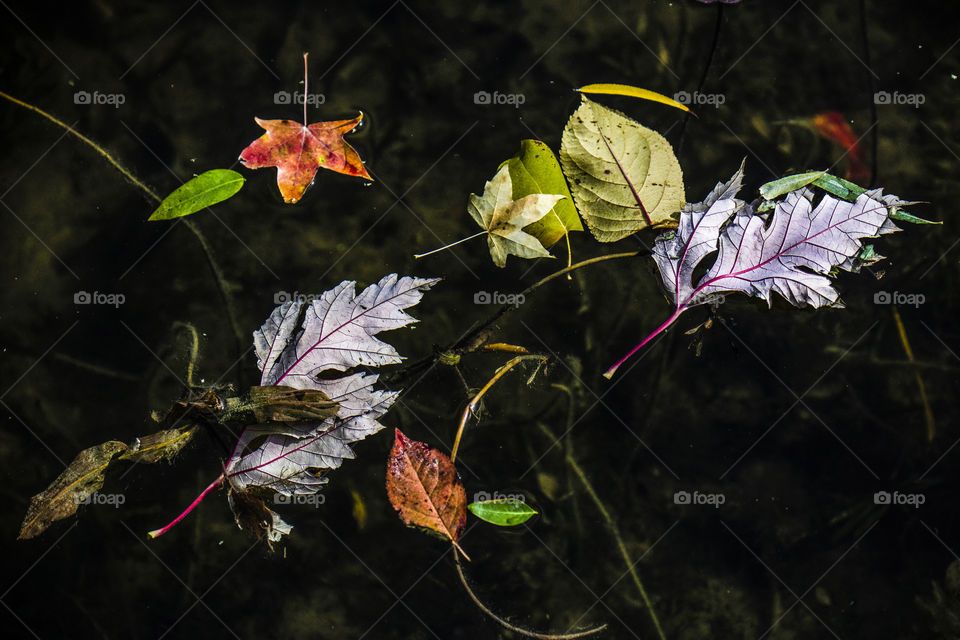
[{"x": 514, "y": 628}]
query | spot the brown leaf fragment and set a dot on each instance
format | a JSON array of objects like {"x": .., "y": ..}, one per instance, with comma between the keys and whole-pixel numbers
[
  {"x": 425, "y": 488},
  {"x": 253, "y": 516},
  {"x": 79, "y": 480},
  {"x": 279, "y": 403},
  {"x": 162, "y": 445}
]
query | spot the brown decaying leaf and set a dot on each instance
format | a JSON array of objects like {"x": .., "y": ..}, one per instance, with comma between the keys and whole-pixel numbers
[
  {"x": 79, "y": 480},
  {"x": 424, "y": 487}
]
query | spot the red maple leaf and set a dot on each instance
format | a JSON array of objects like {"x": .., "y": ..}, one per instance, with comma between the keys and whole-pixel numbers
[{"x": 299, "y": 150}]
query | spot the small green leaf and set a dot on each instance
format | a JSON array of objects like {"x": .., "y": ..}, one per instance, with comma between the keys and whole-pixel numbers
[
  {"x": 535, "y": 170},
  {"x": 787, "y": 184},
  {"x": 906, "y": 217},
  {"x": 843, "y": 189},
  {"x": 208, "y": 188},
  {"x": 504, "y": 513}
]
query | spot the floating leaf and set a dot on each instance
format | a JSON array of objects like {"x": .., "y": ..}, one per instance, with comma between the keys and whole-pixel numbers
[
  {"x": 198, "y": 193},
  {"x": 298, "y": 151},
  {"x": 633, "y": 92},
  {"x": 506, "y": 512},
  {"x": 424, "y": 487},
  {"x": 790, "y": 253},
  {"x": 623, "y": 176},
  {"x": 504, "y": 218},
  {"x": 311, "y": 405},
  {"x": 535, "y": 170},
  {"x": 79, "y": 481},
  {"x": 162, "y": 445}
]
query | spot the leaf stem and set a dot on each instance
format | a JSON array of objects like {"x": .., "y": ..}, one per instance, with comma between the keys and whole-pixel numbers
[
  {"x": 471, "y": 407},
  {"x": 663, "y": 327},
  {"x": 213, "y": 485},
  {"x": 217, "y": 273},
  {"x": 447, "y": 246},
  {"x": 520, "y": 630},
  {"x": 305, "y": 54},
  {"x": 614, "y": 530}
]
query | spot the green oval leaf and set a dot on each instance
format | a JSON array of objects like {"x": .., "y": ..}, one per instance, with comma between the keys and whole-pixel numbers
[
  {"x": 504, "y": 513},
  {"x": 208, "y": 188},
  {"x": 535, "y": 170}
]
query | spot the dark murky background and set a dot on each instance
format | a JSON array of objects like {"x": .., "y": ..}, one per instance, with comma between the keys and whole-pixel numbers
[{"x": 796, "y": 417}]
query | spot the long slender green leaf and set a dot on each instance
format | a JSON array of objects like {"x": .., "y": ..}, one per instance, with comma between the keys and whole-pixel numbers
[{"x": 208, "y": 188}]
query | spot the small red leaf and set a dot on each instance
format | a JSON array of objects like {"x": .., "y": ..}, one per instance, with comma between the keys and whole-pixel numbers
[
  {"x": 424, "y": 487},
  {"x": 298, "y": 151}
]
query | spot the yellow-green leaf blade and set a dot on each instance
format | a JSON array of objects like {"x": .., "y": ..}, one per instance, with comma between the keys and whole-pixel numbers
[
  {"x": 535, "y": 170},
  {"x": 624, "y": 177},
  {"x": 612, "y": 89},
  {"x": 204, "y": 190}
]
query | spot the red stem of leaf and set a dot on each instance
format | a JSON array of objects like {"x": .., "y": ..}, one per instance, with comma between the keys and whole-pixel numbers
[
  {"x": 213, "y": 485},
  {"x": 663, "y": 327}
]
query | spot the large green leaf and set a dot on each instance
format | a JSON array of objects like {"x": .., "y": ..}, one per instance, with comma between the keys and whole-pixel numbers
[
  {"x": 623, "y": 176},
  {"x": 535, "y": 170},
  {"x": 208, "y": 188}
]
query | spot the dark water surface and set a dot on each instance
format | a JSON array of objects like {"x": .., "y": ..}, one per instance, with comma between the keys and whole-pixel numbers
[{"x": 796, "y": 418}]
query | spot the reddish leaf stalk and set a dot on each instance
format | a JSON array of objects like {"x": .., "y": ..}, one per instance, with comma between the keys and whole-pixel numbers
[{"x": 213, "y": 485}]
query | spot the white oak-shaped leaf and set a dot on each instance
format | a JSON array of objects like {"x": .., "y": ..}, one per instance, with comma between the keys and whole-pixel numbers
[
  {"x": 504, "y": 218},
  {"x": 790, "y": 252},
  {"x": 623, "y": 176},
  {"x": 313, "y": 346},
  {"x": 338, "y": 331}
]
